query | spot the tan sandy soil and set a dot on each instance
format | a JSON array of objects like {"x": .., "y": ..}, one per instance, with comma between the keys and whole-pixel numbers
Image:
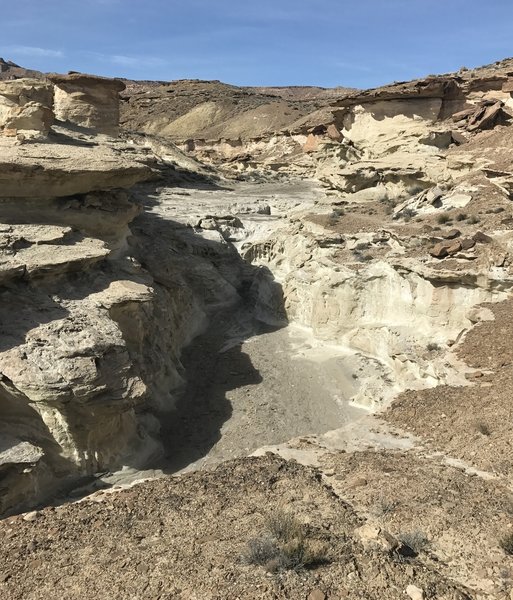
[
  {"x": 462, "y": 516},
  {"x": 183, "y": 538},
  {"x": 474, "y": 423}
]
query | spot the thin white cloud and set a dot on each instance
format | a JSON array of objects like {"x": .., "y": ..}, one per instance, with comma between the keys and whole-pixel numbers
[
  {"x": 124, "y": 60},
  {"x": 32, "y": 51},
  {"x": 136, "y": 61}
]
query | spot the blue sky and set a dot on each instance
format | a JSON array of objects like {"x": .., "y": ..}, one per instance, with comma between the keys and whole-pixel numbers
[{"x": 360, "y": 43}]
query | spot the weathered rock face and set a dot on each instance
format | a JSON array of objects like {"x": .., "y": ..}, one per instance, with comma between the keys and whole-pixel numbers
[
  {"x": 91, "y": 341},
  {"x": 26, "y": 106},
  {"x": 388, "y": 310},
  {"x": 352, "y": 146},
  {"x": 89, "y": 101},
  {"x": 64, "y": 170},
  {"x": 63, "y": 359}
]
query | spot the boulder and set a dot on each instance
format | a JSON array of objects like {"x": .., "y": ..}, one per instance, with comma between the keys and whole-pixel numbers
[
  {"x": 484, "y": 119},
  {"x": 481, "y": 238},
  {"x": 26, "y": 105},
  {"x": 452, "y": 234},
  {"x": 333, "y": 133},
  {"x": 458, "y": 137},
  {"x": 439, "y": 139},
  {"x": 88, "y": 101},
  {"x": 507, "y": 86},
  {"x": 22, "y": 91},
  {"x": 311, "y": 144},
  {"x": 467, "y": 243},
  {"x": 33, "y": 116},
  {"x": 439, "y": 250},
  {"x": 454, "y": 247},
  {"x": 59, "y": 170},
  {"x": 443, "y": 249},
  {"x": 464, "y": 114}
]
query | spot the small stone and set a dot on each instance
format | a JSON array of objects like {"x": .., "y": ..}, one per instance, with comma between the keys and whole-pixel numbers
[
  {"x": 452, "y": 234},
  {"x": 358, "y": 482},
  {"x": 414, "y": 592},
  {"x": 31, "y": 516},
  {"x": 481, "y": 238},
  {"x": 439, "y": 250},
  {"x": 317, "y": 595},
  {"x": 373, "y": 537},
  {"x": 142, "y": 568},
  {"x": 454, "y": 248},
  {"x": 467, "y": 243}
]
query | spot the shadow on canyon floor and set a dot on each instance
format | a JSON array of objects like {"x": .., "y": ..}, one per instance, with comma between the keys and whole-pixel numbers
[
  {"x": 214, "y": 362},
  {"x": 195, "y": 426}
]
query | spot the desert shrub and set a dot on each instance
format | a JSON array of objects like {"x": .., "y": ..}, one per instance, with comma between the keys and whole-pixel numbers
[
  {"x": 389, "y": 204},
  {"x": 384, "y": 506},
  {"x": 473, "y": 220},
  {"x": 506, "y": 543},
  {"x": 443, "y": 219},
  {"x": 362, "y": 257},
  {"x": 261, "y": 551},
  {"x": 415, "y": 189},
  {"x": 361, "y": 246},
  {"x": 407, "y": 214},
  {"x": 284, "y": 526},
  {"x": 483, "y": 428},
  {"x": 416, "y": 540},
  {"x": 432, "y": 347},
  {"x": 285, "y": 546},
  {"x": 461, "y": 216},
  {"x": 303, "y": 554}
]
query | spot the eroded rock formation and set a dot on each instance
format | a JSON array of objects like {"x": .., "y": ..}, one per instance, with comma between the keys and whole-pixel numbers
[
  {"x": 88, "y": 100},
  {"x": 118, "y": 254},
  {"x": 26, "y": 105}
]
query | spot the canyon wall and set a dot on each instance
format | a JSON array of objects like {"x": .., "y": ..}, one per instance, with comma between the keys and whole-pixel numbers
[{"x": 104, "y": 281}]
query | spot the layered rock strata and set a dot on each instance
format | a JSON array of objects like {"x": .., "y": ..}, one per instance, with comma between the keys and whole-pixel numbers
[
  {"x": 89, "y": 101},
  {"x": 26, "y": 106}
]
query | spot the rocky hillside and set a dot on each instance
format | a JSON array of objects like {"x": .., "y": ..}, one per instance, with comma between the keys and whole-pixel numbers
[
  {"x": 10, "y": 70},
  {"x": 192, "y": 109},
  {"x": 330, "y": 295}
]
